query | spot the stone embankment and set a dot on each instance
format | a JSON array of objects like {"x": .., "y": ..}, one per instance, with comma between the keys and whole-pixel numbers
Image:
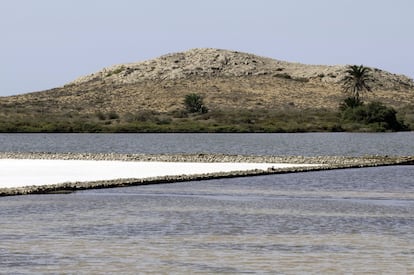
[{"x": 325, "y": 163}]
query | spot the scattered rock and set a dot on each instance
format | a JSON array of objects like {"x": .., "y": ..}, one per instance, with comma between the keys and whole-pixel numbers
[
  {"x": 326, "y": 163},
  {"x": 213, "y": 62}
]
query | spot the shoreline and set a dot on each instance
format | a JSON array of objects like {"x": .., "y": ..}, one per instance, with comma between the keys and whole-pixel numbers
[{"x": 309, "y": 164}]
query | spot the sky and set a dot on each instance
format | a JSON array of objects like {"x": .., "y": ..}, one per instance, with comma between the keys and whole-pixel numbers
[{"x": 48, "y": 43}]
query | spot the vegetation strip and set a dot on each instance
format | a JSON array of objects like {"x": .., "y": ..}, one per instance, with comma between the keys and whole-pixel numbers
[{"x": 326, "y": 163}]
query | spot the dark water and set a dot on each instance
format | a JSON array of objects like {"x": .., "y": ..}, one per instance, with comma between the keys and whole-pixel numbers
[
  {"x": 307, "y": 144},
  {"x": 345, "y": 221}
]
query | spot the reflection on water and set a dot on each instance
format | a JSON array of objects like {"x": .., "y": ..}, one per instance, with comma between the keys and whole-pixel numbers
[{"x": 345, "y": 221}]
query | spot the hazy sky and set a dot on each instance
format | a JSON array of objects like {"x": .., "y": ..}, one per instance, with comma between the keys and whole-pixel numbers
[{"x": 47, "y": 43}]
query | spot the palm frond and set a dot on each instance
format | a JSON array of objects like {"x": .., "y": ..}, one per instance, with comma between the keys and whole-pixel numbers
[{"x": 357, "y": 80}]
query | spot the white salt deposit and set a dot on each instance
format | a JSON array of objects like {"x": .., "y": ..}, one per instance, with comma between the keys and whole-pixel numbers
[{"x": 26, "y": 172}]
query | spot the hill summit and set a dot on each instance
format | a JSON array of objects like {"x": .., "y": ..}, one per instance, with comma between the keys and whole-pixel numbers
[{"x": 207, "y": 62}]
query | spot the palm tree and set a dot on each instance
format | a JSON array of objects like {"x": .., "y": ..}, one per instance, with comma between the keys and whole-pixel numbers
[{"x": 357, "y": 80}]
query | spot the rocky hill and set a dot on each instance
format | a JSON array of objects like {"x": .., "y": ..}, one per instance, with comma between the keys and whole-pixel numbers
[
  {"x": 224, "y": 63},
  {"x": 226, "y": 79}
]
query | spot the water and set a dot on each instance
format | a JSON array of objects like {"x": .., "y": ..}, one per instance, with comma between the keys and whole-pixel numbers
[
  {"x": 307, "y": 144},
  {"x": 343, "y": 221},
  {"x": 353, "y": 221}
]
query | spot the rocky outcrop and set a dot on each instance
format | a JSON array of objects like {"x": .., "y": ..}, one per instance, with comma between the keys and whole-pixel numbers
[{"x": 217, "y": 62}]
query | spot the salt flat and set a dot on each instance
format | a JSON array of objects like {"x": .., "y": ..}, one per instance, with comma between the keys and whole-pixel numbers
[{"x": 37, "y": 172}]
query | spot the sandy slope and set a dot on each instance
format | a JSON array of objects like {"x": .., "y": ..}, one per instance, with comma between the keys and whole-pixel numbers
[{"x": 226, "y": 79}]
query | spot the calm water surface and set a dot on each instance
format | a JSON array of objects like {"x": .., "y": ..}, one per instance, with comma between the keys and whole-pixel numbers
[
  {"x": 357, "y": 221},
  {"x": 353, "y": 221},
  {"x": 307, "y": 144}
]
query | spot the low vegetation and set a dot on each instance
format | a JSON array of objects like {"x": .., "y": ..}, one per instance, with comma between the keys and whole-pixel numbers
[
  {"x": 194, "y": 116},
  {"x": 228, "y": 110},
  {"x": 368, "y": 117},
  {"x": 234, "y": 120},
  {"x": 373, "y": 116}
]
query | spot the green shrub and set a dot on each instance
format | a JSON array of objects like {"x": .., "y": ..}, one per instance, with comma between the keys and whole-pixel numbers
[
  {"x": 194, "y": 104},
  {"x": 350, "y": 102},
  {"x": 375, "y": 115}
]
